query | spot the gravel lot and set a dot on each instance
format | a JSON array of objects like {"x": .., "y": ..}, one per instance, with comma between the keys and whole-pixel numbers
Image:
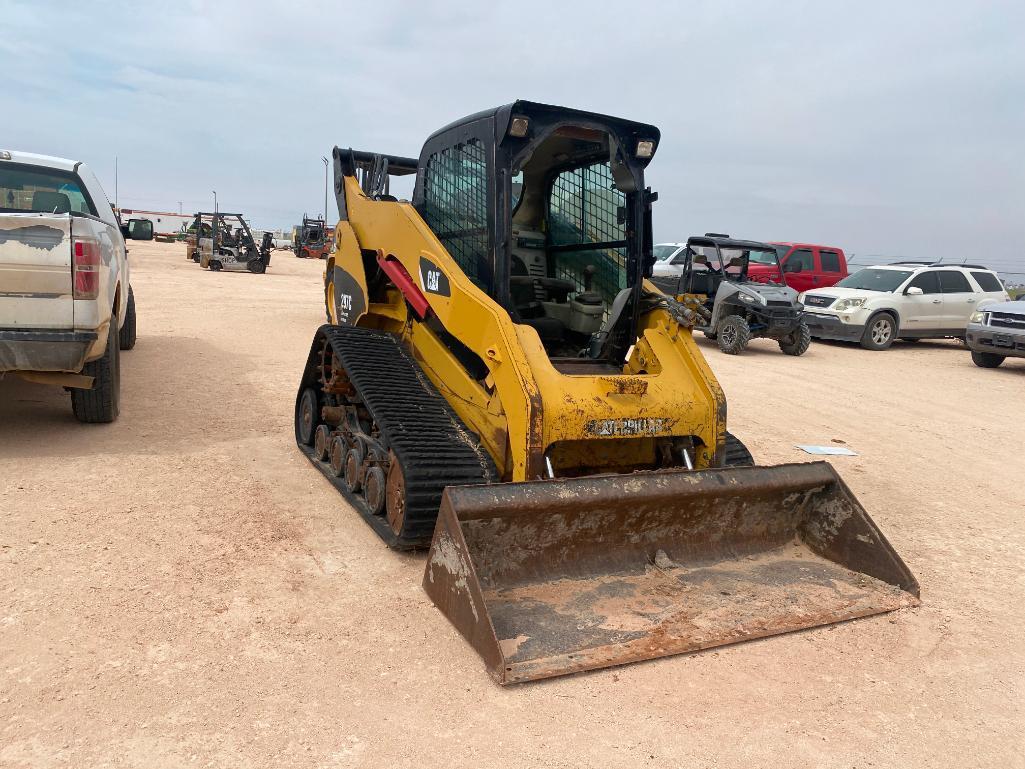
[{"x": 181, "y": 588}]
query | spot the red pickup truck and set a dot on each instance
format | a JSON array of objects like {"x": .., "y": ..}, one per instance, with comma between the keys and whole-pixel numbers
[{"x": 805, "y": 266}]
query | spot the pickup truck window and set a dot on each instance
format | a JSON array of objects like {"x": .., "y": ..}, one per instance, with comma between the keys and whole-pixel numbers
[
  {"x": 36, "y": 189},
  {"x": 830, "y": 260},
  {"x": 802, "y": 257}
]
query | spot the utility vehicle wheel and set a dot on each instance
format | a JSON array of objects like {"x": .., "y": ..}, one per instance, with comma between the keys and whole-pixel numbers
[
  {"x": 733, "y": 334},
  {"x": 736, "y": 453},
  {"x": 322, "y": 442},
  {"x": 798, "y": 342},
  {"x": 215, "y": 265},
  {"x": 256, "y": 266},
  {"x": 306, "y": 417},
  {"x": 987, "y": 359},
  {"x": 101, "y": 403},
  {"x": 879, "y": 332},
  {"x": 126, "y": 336},
  {"x": 374, "y": 489}
]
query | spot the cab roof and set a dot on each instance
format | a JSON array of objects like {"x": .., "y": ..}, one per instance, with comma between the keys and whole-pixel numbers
[
  {"x": 537, "y": 110},
  {"x": 725, "y": 241},
  {"x": 47, "y": 161}
]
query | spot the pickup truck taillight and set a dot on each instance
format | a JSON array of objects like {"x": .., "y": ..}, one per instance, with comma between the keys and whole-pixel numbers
[{"x": 85, "y": 268}]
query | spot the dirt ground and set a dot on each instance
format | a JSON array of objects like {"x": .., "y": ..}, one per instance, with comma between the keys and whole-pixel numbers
[{"x": 182, "y": 589}]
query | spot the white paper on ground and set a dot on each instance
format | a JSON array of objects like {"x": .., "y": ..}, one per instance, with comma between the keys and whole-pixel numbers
[{"x": 832, "y": 450}]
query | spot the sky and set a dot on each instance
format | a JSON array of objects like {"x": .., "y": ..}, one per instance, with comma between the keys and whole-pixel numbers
[{"x": 889, "y": 129}]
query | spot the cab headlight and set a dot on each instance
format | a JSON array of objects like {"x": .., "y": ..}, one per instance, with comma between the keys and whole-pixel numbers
[
  {"x": 747, "y": 298},
  {"x": 849, "y": 304},
  {"x": 978, "y": 317}
]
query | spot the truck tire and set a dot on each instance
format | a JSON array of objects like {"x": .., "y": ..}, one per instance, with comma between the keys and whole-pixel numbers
[
  {"x": 733, "y": 334},
  {"x": 256, "y": 266},
  {"x": 987, "y": 359},
  {"x": 126, "y": 336},
  {"x": 880, "y": 332},
  {"x": 736, "y": 453},
  {"x": 102, "y": 403},
  {"x": 798, "y": 342}
]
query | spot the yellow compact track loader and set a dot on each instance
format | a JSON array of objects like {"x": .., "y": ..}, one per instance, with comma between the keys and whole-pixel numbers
[{"x": 499, "y": 380}]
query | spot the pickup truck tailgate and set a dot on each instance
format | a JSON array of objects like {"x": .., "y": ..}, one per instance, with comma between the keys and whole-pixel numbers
[{"x": 35, "y": 272}]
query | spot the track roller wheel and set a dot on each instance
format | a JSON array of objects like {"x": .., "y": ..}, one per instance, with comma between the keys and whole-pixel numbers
[
  {"x": 338, "y": 451},
  {"x": 322, "y": 442},
  {"x": 396, "y": 501},
  {"x": 353, "y": 465},
  {"x": 374, "y": 489},
  {"x": 306, "y": 419}
]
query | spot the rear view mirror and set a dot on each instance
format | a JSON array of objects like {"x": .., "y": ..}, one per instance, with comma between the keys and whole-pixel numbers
[
  {"x": 140, "y": 229},
  {"x": 914, "y": 291}
]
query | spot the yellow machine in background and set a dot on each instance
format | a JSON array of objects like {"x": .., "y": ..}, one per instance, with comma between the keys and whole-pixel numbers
[{"x": 495, "y": 352}]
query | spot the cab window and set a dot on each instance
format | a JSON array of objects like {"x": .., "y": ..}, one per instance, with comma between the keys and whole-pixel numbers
[
  {"x": 455, "y": 207},
  {"x": 802, "y": 257},
  {"x": 35, "y": 189},
  {"x": 587, "y": 229},
  {"x": 830, "y": 260}
]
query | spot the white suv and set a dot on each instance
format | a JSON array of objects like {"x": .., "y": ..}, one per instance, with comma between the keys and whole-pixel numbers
[{"x": 909, "y": 300}]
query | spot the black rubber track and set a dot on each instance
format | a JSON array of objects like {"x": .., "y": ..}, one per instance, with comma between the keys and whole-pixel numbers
[
  {"x": 434, "y": 448},
  {"x": 736, "y": 453}
]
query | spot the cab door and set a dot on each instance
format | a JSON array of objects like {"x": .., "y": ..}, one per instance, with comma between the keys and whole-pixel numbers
[{"x": 799, "y": 269}]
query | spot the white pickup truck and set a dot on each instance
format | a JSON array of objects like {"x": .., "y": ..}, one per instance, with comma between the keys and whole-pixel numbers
[{"x": 66, "y": 304}]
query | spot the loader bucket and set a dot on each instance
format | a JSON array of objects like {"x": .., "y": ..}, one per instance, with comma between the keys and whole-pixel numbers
[{"x": 546, "y": 578}]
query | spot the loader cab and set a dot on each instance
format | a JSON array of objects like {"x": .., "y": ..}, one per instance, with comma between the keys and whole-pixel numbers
[{"x": 545, "y": 209}]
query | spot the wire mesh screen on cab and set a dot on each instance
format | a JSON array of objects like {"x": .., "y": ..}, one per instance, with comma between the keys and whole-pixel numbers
[
  {"x": 455, "y": 206},
  {"x": 584, "y": 208}
]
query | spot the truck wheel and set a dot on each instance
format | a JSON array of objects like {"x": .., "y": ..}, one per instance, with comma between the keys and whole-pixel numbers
[
  {"x": 987, "y": 359},
  {"x": 256, "y": 266},
  {"x": 101, "y": 403},
  {"x": 879, "y": 332},
  {"x": 736, "y": 453},
  {"x": 798, "y": 342},
  {"x": 733, "y": 334},
  {"x": 215, "y": 265},
  {"x": 126, "y": 337}
]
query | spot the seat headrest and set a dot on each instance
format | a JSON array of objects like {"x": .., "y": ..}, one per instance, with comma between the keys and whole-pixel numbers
[{"x": 51, "y": 202}]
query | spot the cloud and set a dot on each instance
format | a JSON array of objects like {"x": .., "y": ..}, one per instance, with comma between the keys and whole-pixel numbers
[{"x": 884, "y": 128}]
